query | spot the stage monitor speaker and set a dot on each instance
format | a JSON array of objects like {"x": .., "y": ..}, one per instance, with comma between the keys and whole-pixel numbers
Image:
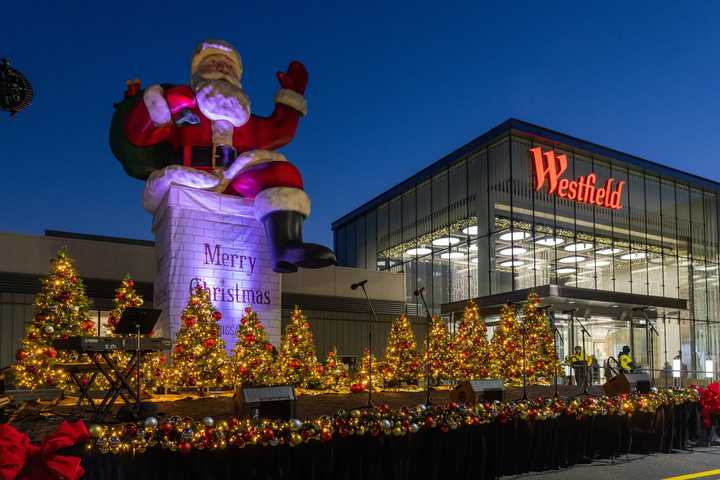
[
  {"x": 639, "y": 382},
  {"x": 626, "y": 383},
  {"x": 276, "y": 402},
  {"x": 475, "y": 391}
]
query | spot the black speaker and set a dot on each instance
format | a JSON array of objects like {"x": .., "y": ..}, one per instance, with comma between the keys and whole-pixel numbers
[
  {"x": 639, "y": 382},
  {"x": 474, "y": 391},
  {"x": 266, "y": 402}
]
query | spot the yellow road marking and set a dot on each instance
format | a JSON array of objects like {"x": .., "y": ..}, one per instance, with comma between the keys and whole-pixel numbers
[{"x": 690, "y": 476}]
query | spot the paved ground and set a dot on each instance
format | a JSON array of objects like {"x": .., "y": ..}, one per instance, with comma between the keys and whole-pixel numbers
[{"x": 701, "y": 463}]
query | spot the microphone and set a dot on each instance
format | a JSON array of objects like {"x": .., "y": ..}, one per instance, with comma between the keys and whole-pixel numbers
[
  {"x": 419, "y": 291},
  {"x": 354, "y": 286}
]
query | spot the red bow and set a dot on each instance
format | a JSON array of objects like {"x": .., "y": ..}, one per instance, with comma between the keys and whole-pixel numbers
[
  {"x": 21, "y": 459},
  {"x": 710, "y": 402}
]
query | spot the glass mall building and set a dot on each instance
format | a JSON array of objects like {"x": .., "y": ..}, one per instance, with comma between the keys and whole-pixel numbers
[{"x": 622, "y": 246}]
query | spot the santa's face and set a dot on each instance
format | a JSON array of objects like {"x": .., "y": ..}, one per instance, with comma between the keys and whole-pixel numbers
[{"x": 218, "y": 91}]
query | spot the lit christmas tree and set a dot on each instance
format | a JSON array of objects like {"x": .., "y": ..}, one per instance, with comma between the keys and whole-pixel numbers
[
  {"x": 297, "y": 361},
  {"x": 470, "y": 346},
  {"x": 439, "y": 356},
  {"x": 60, "y": 310},
  {"x": 401, "y": 364},
  {"x": 542, "y": 363},
  {"x": 335, "y": 375},
  {"x": 199, "y": 357},
  {"x": 361, "y": 380},
  {"x": 506, "y": 348},
  {"x": 252, "y": 357},
  {"x": 153, "y": 364}
]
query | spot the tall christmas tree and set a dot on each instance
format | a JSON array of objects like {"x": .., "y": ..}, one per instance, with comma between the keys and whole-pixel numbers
[
  {"x": 541, "y": 360},
  {"x": 506, "y": 348},
  {"x": 362, "y": 379},
  {"x": 252, "y": 357},
  {"x": 60, "y": 310},
  {"x": 470, "y": 346},
  {"x": 335, "y": 375},
  {"x": 401, "y": 364},
  {"x": 153, "y": 364},
  {"x": 438, "y": 357},
  {"x": 297, "y": 361},
  {"x": 199, "y": 357}
]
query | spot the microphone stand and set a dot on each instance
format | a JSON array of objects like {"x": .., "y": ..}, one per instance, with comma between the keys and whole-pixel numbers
[
  {"x": 373, "y": 317},
  {"x": 556, "y": 334},
  {"x": 419, "y": 293},
  {"x": 584, "y": 332}
]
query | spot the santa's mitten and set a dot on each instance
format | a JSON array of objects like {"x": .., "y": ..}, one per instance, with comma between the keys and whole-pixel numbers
[
  {"x": 293, "y": 84},
  {"x": 158, "y": 183}
]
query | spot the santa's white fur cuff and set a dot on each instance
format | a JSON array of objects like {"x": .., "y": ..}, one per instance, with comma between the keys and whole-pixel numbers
[
  {"x": 156, "y": 105},
  {"x": 292, "y": 99},
  {"x": 278, "y": 199}
]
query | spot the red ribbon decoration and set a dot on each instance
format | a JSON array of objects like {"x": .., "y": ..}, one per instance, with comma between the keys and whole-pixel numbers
[
  {"x": 710, "y": 402},
  {"x": 20, "y": 459}
]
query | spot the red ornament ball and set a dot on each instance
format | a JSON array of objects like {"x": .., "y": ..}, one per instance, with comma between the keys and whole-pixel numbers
[
  {"x": 269, "y": 347},
  {"x": 357, "y": 388},
  {"x": 209, "y": 343},
  {"x": 131, "y": 283},
  {"x": 166, "y": 427},
  {"x": 217, "y": 315},
  {"x": 88, "y": 325},
  {"x": 249, "y": 338},
  {"x": 21, "y": 355},
  {"x": 185, "y": 447},
  {"x": 294, "y": 363},
  {"x": 179, "y": 348},
  {"x": 51, "y": 352},
  {"x": 248, "y": 310}
]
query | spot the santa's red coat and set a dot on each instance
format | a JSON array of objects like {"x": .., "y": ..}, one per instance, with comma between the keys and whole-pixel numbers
[{"x": 267, "y": 133}]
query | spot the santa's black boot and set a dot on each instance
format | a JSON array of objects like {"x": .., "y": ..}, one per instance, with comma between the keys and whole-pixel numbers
[{"x": 284, "y": 232}]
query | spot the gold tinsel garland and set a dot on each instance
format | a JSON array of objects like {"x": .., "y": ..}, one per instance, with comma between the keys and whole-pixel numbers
[{"x": 186, "y": 434}]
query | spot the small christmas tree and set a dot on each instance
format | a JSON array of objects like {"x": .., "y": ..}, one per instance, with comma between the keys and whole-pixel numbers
[
  {"x": 470, "y": 346},
  {"x": 506, "y": 348},
  {"x": 252, "y": 357},
  {"x": 60, "y": 310},
  {"x": 541, "y": 360},
  {"x": 152, "y": 367},
  {"x": 362, "y": 379},
  {"x": 438, "y": 357},
  {"x": 335, "y": 375},
  {"x": 297, "y": 361},
  {"x": 401, "y": 364},
  {"x": 199, "y": 357}
]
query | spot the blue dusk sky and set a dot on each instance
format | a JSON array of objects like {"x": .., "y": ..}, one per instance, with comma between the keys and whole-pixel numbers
[{"x": 393, "y": 87}]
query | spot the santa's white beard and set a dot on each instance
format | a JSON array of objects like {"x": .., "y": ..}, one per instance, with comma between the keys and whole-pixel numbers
[{"x": 221, "y": 100}]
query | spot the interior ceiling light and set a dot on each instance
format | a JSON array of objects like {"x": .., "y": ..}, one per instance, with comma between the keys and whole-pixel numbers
[
  {"x": 474, "y": 260},
  {"x": 573, "y": 259},
  {"x": 512, "y": 263},
  {"x": 416, "y": 252},
  {"x": 550, "y": 241},
  {"x": 706, "y": 268},
  {"x": 514, "y": 235},
  {"x": 471, "y": 230},
  {"x": 634, "y": 256},
  {"x": 565, "y": 270},
  {"x": 578, "y": 247},
  {"x": 598, "y": 263},
  {"x": 445, "y": 241},
  {"x": 609, "y": 251},
  {"x": 473, "y": 247},
  {"x": 509, "y": 252},
  {"x": 452, "y": 255}
]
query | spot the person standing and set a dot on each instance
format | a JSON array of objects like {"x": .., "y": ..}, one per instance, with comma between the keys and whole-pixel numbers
[
  {"x": 580, "y": 361},
  {"x": 627, "y": 363}
]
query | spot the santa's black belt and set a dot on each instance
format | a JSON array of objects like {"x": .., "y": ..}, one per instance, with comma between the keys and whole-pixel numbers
[{"x": 207, "y": 157}]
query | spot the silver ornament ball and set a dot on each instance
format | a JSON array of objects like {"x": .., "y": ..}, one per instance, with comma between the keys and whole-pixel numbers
[
  {"x": 208, "y": 421},
  {"x": 151, "y": 422}
]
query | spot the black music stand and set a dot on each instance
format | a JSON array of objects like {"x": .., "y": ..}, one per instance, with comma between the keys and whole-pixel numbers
[{"x": 137, "y": 321}]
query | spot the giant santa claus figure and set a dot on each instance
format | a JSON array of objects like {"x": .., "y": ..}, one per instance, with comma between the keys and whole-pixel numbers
[{"x": 205, "y": 136}]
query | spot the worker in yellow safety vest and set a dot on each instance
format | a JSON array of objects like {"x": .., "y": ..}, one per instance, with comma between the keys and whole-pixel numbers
[
  {"x": 627, "y": 364},
  {"x": 579, "y": 361}
]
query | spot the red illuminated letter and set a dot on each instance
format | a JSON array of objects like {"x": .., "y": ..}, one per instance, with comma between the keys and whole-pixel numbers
[{"x": 548, "y": 165}]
